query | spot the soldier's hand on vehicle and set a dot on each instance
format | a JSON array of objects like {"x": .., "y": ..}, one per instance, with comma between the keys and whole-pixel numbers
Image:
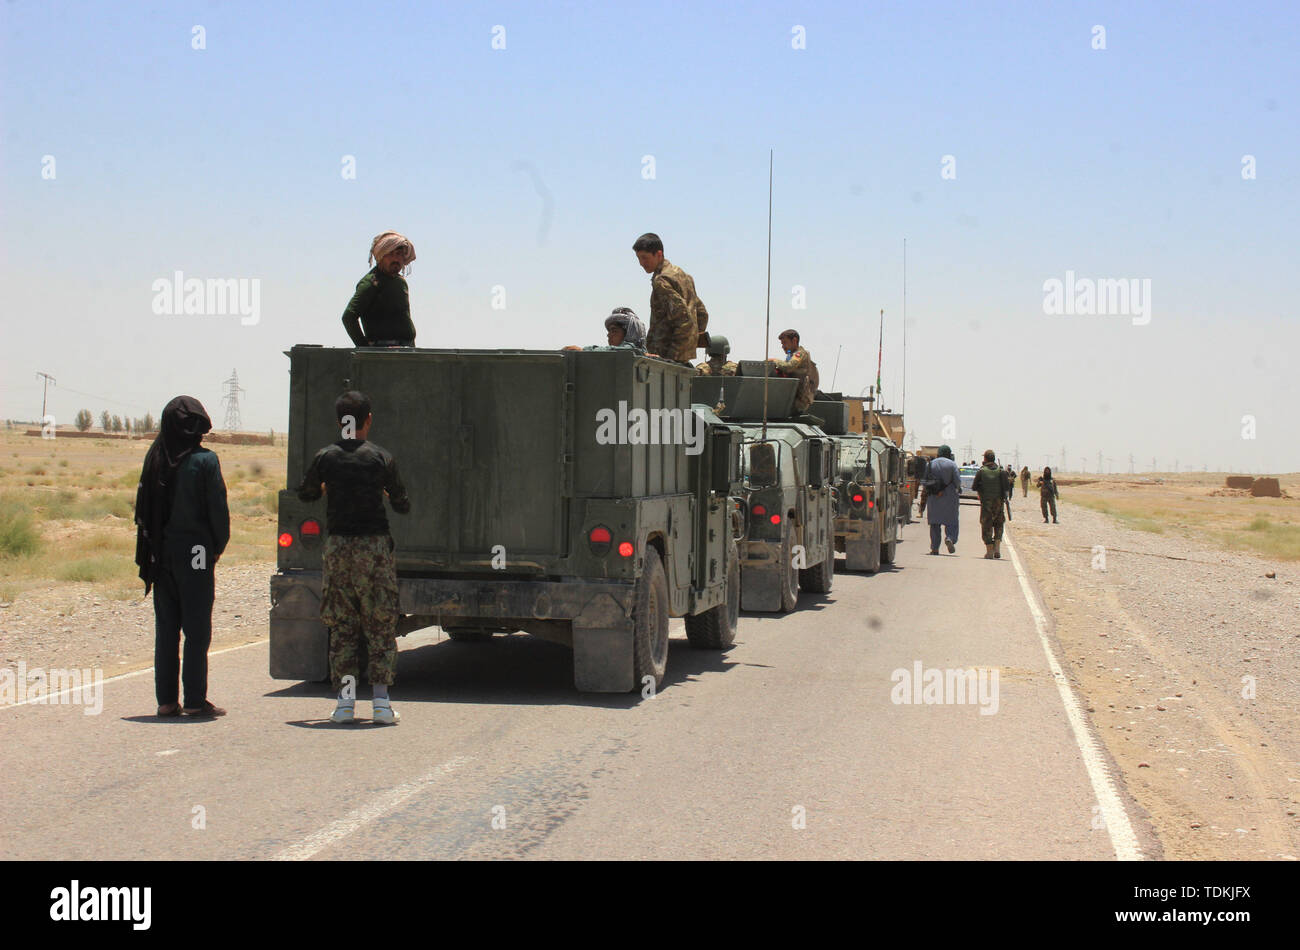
[{"x": 571, "y": 347}]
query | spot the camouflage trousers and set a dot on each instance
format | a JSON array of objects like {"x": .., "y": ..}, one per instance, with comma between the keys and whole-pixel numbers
[
  {"x": 992, "y": 516},
  {"x": 359, "y": 606}
]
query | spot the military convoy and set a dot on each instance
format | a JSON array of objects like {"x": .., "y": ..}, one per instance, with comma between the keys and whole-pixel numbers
[{"x": 585, "y": 497}]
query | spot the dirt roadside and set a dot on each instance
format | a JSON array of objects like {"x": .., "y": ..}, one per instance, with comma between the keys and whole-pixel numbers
[{"x": 1188, "y": 660}]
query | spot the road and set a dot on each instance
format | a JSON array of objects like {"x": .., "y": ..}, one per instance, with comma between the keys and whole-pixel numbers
[{"x": 788, "y": 746}]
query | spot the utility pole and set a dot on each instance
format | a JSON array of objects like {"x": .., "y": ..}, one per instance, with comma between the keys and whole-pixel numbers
[
  {"x": 1175, "y": 466},
  {"x": 1100, "y": 467},
  {"x": 44, "y": 390},
  {"x": 1065, "y": 458},
  {"x": 1153, "y": 464},
  {"x": 231, "y": 401},
  {"x": 1130, "y": 463}
]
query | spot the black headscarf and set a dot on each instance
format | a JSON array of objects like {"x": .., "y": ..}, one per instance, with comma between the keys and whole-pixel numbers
[{"x": 184, "y": 420}]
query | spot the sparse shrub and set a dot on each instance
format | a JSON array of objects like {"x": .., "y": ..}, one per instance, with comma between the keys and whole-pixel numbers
[{"x": 18, "y": 536}]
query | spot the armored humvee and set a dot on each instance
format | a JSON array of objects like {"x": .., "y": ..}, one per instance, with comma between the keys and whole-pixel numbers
[
  {"x": 788, "y": 467},
  {"x": 576, "y": 496},
  {"x": 867, "y": 500}
]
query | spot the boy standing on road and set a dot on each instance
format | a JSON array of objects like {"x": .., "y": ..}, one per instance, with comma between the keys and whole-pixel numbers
[{"x": 359, "y": 603}]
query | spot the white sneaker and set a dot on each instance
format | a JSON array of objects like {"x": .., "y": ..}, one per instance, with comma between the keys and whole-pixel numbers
[
  {"x": 344, "y": 714},
  {"x": 386, "y": 714}
]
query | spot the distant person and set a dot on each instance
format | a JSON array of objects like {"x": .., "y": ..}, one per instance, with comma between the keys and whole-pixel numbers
[
  {"x": 1024, "y": 482},
  {"x": 990, "y": 485},
  {"x": 941, "y": 494},
  {"x": 798, "y": 364},
  {"x": 678, "y": 318},
  {"x": 182, "y": 528},
  {"x": 1008, "y": 488},
  {"x": 379, "y": 313},
  {"x": 1047, "y": 494},
  {"x": 359, "y": 603},
  {"x": 623, "y": 330},
  {"x": 717, "y": 363}
]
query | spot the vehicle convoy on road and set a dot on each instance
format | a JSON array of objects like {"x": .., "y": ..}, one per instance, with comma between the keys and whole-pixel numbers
[
  {"x": 788, "y": 468},
  {"x": 577, "y": 496},
  {"x": 866, "y": 497}
]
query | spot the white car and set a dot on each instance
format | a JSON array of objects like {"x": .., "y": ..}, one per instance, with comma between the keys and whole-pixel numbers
[{"x": 967, "y": 475}]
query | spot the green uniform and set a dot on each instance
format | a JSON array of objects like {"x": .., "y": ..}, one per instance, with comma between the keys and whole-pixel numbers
[
  {"x": 1047, "y": 495},
  {"x": 677, "y": 315},
  {"x": 989, "y": 485},
  {"x": 380, "y": 311},
  {"x": 716, "y": 367}
]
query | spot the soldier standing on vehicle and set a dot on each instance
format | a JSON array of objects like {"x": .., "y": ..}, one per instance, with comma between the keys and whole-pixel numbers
[
  {"x": 678, "y": 318},
  {"x": 798, "y": 363},
  {"x": 1047, "y": 494},
  {"x": 379, "y": 313},
  {"x": 942, "y": 495},
  {"x": 359, "y": 602},
  {"x": 183, "y": 526},
  {"x": 718, "y": 364},
  {"x": 1024, "y": 482},
  {"x": 990, "y": 486}
]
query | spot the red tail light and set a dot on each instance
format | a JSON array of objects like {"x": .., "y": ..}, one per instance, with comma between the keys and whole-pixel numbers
[
  {"x": 599, "y": 539},
  {"x": 871, "y": 504},
  {"x": 625, "y": 549},
  {"x": 858, "y": 499},
  {"x": 286, "y": 539},
  {"x": 758, "y": 510},
  {"x": 309, "y": 529},
  {"x": 775, "y": 519}
]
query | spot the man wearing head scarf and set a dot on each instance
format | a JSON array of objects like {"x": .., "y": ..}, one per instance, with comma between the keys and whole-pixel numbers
[
  {"x": 1047, "y": 494},
  {"x": 941, "y": 500},
  {"x": 379, "y": 313},
  {"x": 990, "y": 484},
  {"x": 182, "y": 528},
  {"x": 623, "y": 331}
]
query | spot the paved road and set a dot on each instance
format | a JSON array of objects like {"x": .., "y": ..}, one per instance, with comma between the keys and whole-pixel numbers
[{"x": 794, "y": 726}]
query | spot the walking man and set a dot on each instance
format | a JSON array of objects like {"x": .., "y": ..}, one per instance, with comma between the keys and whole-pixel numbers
[
  {"x": 1008, "y": 487},
  {"x": 379, "y": 313},
  {"x": 678, "y": 318},
  {"x": 941, "y": 499},
  {"x": 1047, "y": 494},
  {"x": 990, "y": 485},
  {"x": 182, "y": 528},
  {"x": 1024, "y": 482},
  {"x": 359, "y": 603}
]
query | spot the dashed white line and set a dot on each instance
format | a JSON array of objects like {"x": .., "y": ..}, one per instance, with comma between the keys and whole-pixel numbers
[{"x": 1122, "y": 837}]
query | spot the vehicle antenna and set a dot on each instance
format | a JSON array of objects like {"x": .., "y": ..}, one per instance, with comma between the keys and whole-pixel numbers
[
  {"x": 767, "y": 325},
  {"x": 837, "y": 366},
  {"x": 903, "y": 407}
]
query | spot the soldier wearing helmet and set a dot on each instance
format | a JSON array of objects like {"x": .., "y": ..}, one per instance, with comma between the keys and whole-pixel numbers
[{"x": 718, "y": 364}]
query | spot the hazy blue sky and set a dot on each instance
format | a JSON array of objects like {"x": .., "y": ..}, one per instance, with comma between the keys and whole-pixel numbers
[{"x": 522, "y": 168}]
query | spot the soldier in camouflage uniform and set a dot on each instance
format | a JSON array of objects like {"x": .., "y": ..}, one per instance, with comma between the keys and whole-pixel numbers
[
  {"x": 990, "y": 486},
  {"x": 359, "y": 602},
  {"x": 798, "y": 364},
  {"x": 678, "y": 318},
  {"x": 718, "y": 364}
]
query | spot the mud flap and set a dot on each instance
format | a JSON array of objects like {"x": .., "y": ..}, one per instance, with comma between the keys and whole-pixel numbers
[
  {"x": 760, "y": 587},
  {"x": 602, "y": 647},
  {"x": 299, "y": 641},
  {"x": 862, "y": 555}
]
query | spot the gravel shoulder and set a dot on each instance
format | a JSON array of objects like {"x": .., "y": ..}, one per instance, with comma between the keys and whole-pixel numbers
[{"x": 1186, "y": 657}]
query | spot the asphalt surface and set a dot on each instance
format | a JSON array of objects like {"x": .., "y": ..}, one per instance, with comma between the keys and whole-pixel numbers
[{"x": 787, "y": 746}]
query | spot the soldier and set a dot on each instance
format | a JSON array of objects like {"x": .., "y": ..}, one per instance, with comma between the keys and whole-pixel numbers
[
  {"x": 798, "y": 364},
  {"x": 183, "y": 526},
  {"x": 379, "y": 313},
  {"x": 990, "y": 486},
  {"x": 678, "y": 318},
  {"x": 718, "y": 364},
  {"x": 359, "y": 602},
  {"x": 1024, "y": 482},
  {"x": 1047, "y": 494},
  {"x": 1008, "y": 488}
]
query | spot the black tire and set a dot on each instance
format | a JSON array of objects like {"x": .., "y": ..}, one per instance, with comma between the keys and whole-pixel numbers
[
  {"x": 715, "y": 629},
  {"x": 650, "y": 623},
  {"x": 888, "y": 550},
  {"x": 789, "y": 573},
  {"x": 463, "y": 635},
  {"x": 819, "y": 578}
]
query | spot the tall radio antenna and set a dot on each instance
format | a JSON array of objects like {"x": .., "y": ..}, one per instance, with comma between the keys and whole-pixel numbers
[{"x": 767, "y": 325}]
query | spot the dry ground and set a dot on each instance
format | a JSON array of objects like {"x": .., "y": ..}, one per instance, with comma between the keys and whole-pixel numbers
[{"x": 1186, "y": 651}]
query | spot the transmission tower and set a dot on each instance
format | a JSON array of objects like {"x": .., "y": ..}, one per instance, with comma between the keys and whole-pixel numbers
[
  {"x": 1064, "y": 458},
  {"x": 1130, "y": 463},
  {"x": 1017, "y": 458},
  {"x": 1101, "y": 468},
  {"x": 231, "y": 402}
]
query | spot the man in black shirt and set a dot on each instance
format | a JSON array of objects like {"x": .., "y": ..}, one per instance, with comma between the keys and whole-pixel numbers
[
  {"x": 379, "y": 313},
  {"x": 359, "y": 601}
]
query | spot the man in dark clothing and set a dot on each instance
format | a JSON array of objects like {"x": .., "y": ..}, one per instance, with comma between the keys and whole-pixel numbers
[
  {"x": 379, "y": 313},
  {"x": 182, "y": 529},
  {"x": 1047, "y": 494},
  {"x": 1008, "y": 488},
  {"x": 990, "y": 486},
  {"x": 359, "y": 602}
]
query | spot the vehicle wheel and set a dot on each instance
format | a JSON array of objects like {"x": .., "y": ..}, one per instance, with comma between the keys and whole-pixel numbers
[
  {"x": 715, "y": 629},
  {"x": 789, "y": 574},
  {"x": 467, "y": 634},
  {"x": 650, "y": 623},
  {"x": 888, "y": 550},
  {"x": 819, "y": 578}
]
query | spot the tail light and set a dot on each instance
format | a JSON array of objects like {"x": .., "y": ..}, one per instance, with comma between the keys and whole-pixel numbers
[
  {"x": 286, "y": 539},
  {"x": 775, "y": 519},
  {"x": 758, "y": 511},
  {"x": 625, "y": 549},
  {"x": 309, "y": 531},
  {"x": 599, "y": 539}
]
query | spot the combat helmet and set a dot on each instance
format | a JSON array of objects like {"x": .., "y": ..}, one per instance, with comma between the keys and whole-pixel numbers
[{"x": 718, "y": 346}]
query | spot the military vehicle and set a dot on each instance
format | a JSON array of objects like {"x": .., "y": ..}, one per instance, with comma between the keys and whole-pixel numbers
[
  {"x": 788, "y": 466},
  {"x": 867, "y": 474},
  {"x": 576, "y": 496}
]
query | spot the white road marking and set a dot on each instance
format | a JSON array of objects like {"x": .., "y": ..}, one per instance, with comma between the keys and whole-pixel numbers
[
  {"x": 43, "y": 700},
  {"x": 1122, "y": 837},
  {"x": 336, "y": 831}
]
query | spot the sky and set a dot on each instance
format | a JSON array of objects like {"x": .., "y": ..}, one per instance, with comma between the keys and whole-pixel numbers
[{"x": 523, "y": 147}]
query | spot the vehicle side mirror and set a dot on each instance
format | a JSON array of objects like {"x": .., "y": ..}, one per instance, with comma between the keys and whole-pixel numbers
[{"x": 762, "y": 465}]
